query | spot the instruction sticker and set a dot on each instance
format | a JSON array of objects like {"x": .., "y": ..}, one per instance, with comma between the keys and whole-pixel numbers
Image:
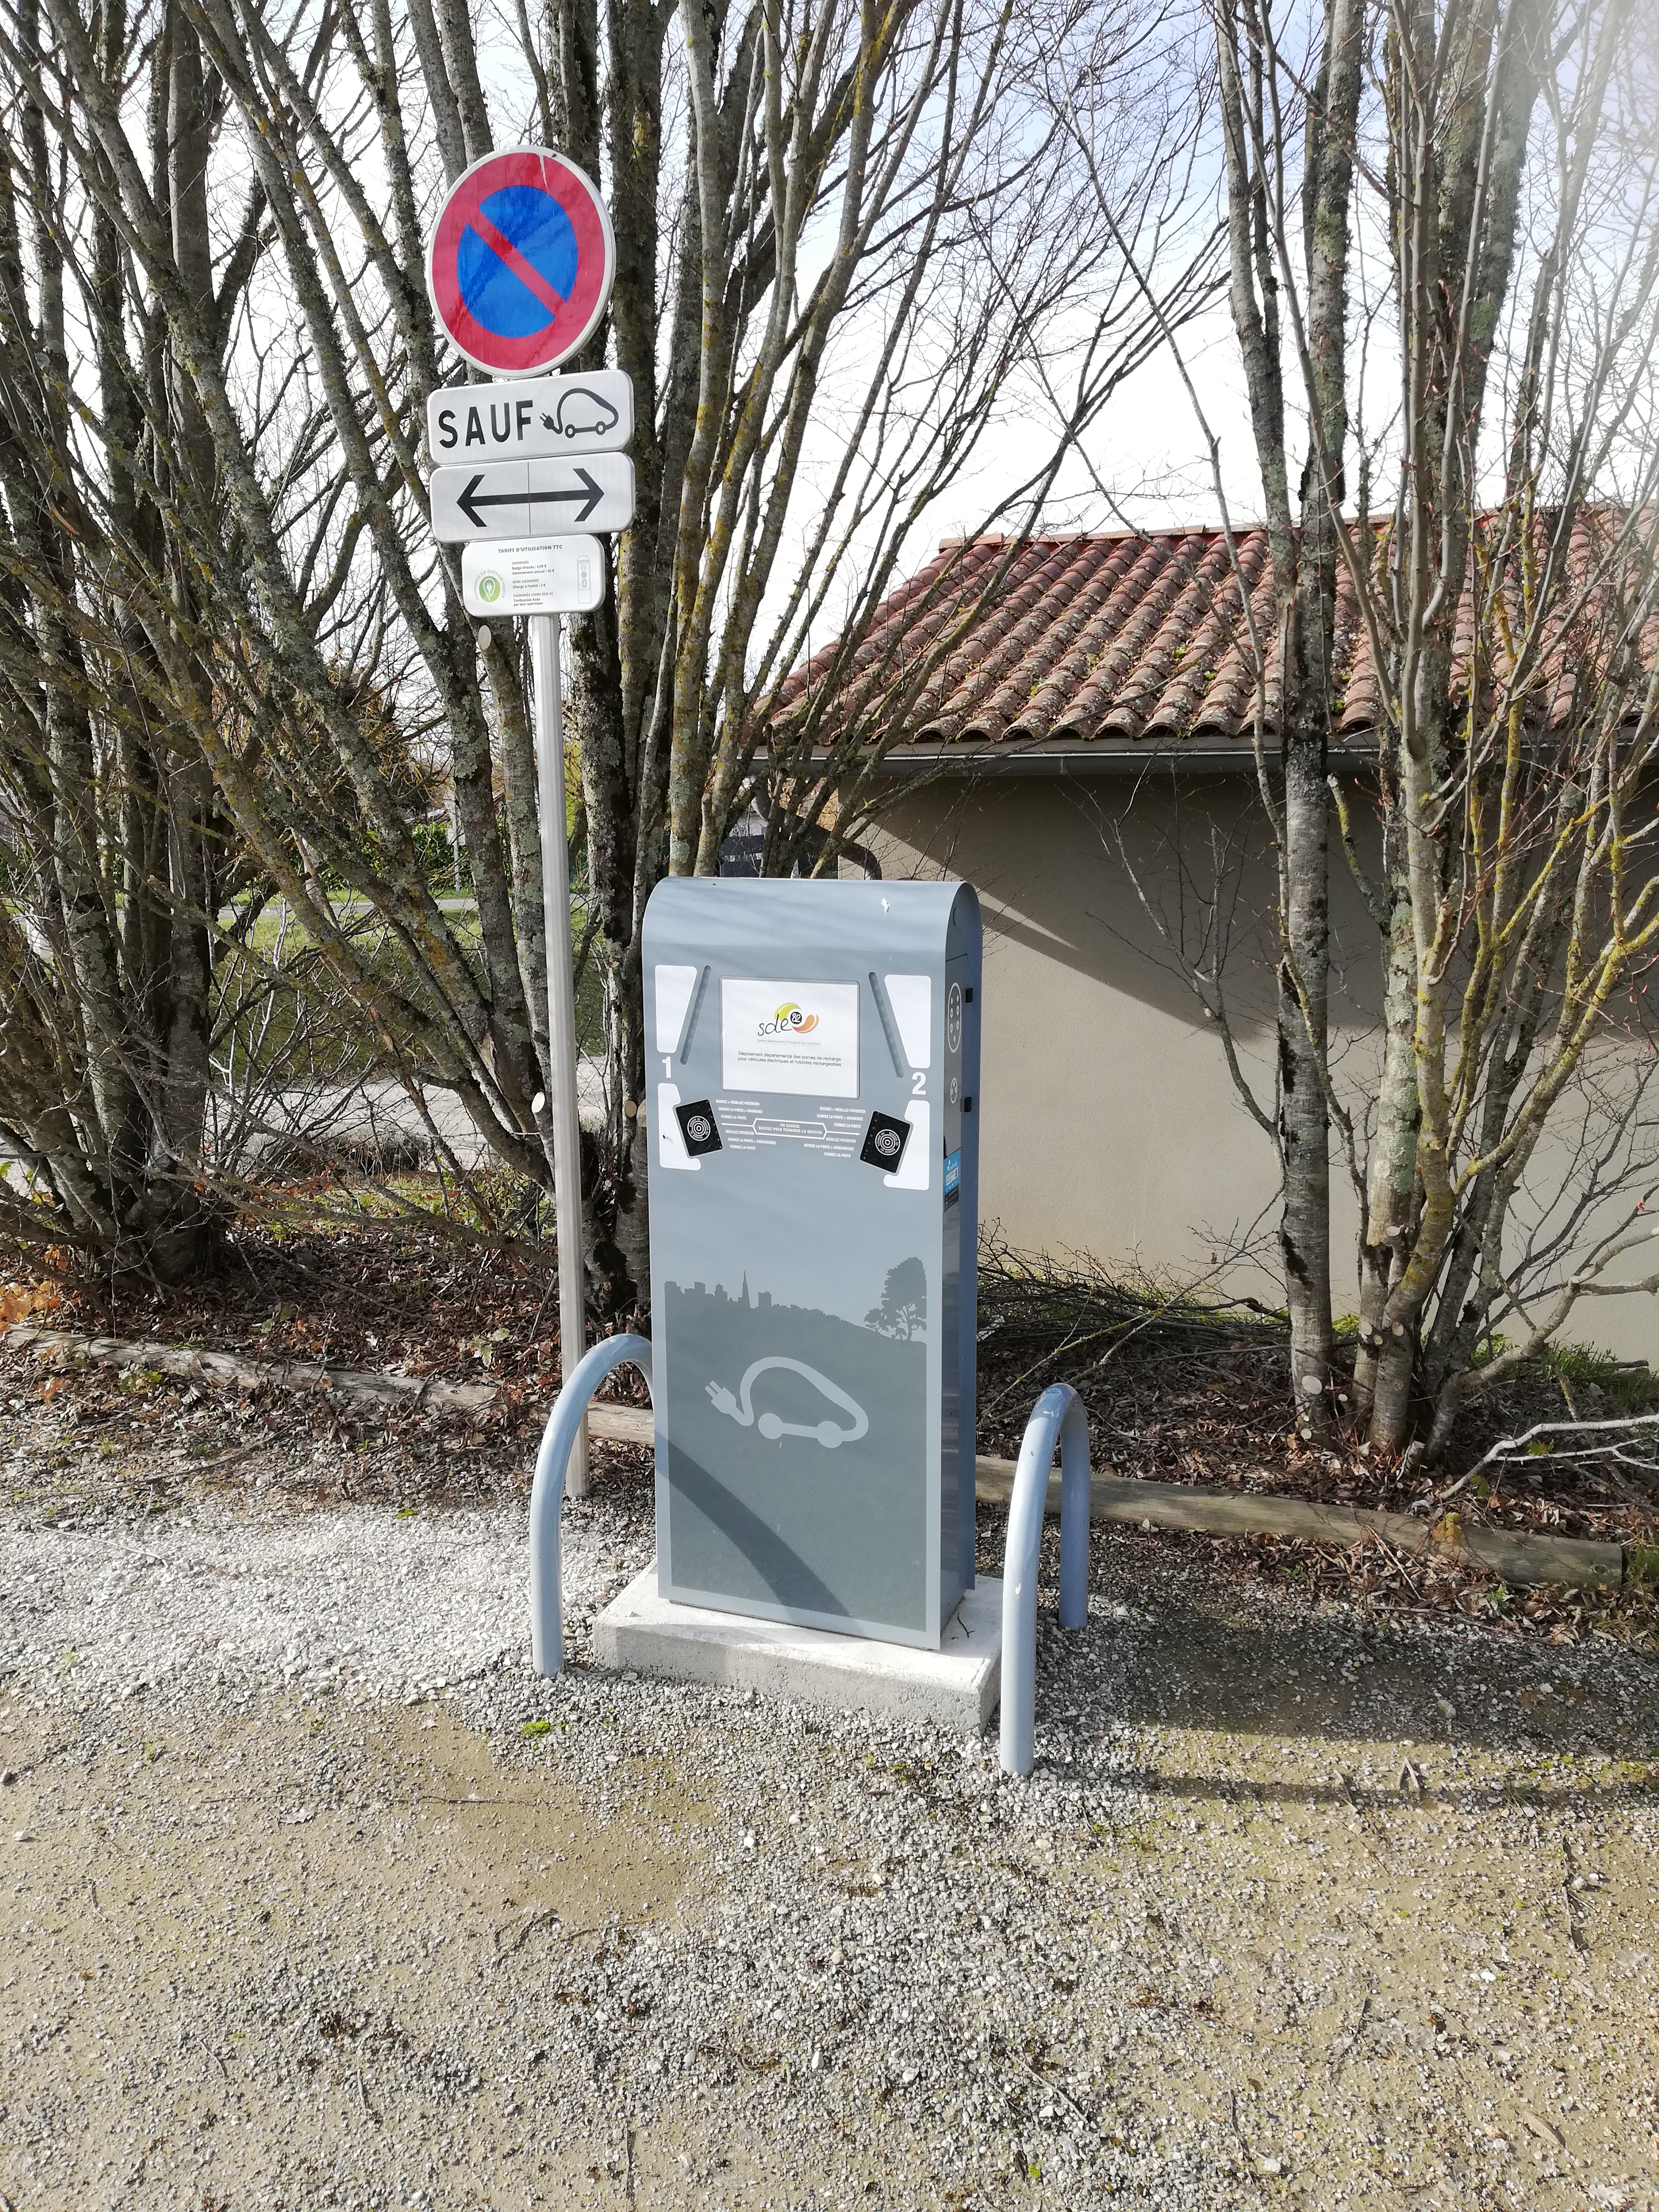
[{"x": 791, "y": 1037}]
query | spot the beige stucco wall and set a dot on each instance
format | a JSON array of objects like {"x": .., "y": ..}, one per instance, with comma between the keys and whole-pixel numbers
[{"x": 1111, "y": 1124}]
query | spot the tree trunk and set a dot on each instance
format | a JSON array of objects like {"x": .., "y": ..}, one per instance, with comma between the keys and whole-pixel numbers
[
  {"x": 1305, "y": 1234},
  {"x": 1391, "y": 1177}
]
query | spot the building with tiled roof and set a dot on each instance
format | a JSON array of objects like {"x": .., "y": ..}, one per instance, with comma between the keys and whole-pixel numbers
[
  {"x": 1091, "y": 652},
  {"x": 1021, "y": 722},
  {"x": 1088, "y": 645}
]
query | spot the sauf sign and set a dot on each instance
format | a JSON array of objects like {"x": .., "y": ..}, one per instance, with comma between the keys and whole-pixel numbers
[
  {"x": 530, "y": 469},
  {"x": 583, "y": 414}
]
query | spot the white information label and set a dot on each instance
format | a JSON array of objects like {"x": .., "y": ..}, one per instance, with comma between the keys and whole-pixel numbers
[
  {"x": 532, "y": 575},
  {"x": 801, "y": 1038},
  {"x": 515, "y": 422}
]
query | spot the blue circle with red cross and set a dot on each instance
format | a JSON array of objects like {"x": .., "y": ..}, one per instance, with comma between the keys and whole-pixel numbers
[{"x": 521, "y": 262}]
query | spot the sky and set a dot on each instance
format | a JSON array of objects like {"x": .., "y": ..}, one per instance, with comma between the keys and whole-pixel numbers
[
  {"x": 1146, "y": 461},
  {"x": 1147, "y": 450}
]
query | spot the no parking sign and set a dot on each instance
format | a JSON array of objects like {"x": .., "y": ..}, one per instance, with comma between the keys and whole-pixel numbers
[
  {"x": 521, "y": 261},
  {"x": 519, "y": 267}
]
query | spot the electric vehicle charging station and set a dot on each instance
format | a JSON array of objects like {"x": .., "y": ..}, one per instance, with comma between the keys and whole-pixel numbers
[{"x": 813, "y": 1129}]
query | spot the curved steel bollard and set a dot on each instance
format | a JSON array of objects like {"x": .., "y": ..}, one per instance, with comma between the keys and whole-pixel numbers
[
  {"x": 547, "y": 1491},
  {"x": 1059, "y": 1416}
]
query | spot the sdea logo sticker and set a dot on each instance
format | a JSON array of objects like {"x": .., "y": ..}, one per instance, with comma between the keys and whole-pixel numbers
[{"x": 795, "y": 1033}]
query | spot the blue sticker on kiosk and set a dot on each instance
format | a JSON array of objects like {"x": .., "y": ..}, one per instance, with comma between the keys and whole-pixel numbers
[{"x": 953, "y": 1171}]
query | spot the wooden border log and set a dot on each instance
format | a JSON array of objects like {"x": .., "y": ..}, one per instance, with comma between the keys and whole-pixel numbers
[
  {"x": 1515, "y": 1558},
  {"x": 1574, "y": 1560},
  {"x": 231, "y": 1371}
]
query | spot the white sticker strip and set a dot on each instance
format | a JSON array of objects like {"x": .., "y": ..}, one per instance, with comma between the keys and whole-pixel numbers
[
  {"x": 674, "y": 989},
  {"x": 670, "y": 1146},
  {"x": 911, "y": 998},
  {"x": 916, "y": 1166}
]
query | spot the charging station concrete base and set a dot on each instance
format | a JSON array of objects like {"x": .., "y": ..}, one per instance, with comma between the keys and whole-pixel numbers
[{"x": 955, "y": 1687}]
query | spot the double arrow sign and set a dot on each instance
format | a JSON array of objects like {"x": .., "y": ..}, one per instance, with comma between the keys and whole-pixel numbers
[{"x": 517, "y": 499}]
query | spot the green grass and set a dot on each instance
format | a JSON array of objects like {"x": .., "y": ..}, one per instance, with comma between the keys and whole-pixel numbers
[{"x": 1614, "y": 1387}]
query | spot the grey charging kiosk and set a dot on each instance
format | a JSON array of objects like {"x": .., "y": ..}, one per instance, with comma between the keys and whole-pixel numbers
[{"x": 814, "y": 1058}]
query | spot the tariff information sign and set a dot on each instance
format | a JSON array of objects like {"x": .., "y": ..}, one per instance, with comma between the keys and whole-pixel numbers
[
  {"x": 532, "y": 576},
  {"x": 521, "y": 261}
]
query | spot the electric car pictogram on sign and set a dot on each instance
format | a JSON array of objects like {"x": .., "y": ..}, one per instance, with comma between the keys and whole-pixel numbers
[{"x": 521, "y": 261}]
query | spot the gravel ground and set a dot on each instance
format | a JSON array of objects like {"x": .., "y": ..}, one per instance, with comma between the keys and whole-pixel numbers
[{"x": 316, "y": 1896}]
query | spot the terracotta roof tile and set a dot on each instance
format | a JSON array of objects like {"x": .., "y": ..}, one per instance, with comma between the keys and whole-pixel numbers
[{"x": 1123, "y": 640}]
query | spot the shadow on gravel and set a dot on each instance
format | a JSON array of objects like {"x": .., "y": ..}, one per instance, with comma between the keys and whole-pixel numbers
[
  {"x": 1191, "y": 1667},
  {"x": 1364, "y": 1798}
]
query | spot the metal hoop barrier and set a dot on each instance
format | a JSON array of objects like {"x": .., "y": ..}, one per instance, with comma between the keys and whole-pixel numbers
[
  {"x": 1057, "y": 1417},
  {"x": 547, "y": 1491}
]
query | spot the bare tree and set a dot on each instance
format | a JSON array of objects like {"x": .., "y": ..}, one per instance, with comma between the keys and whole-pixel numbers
[
  {"x": 816, "y": 742},
  {"x": 114, "y": 854},
  {"x": 1518, "y": 886},
  {"x": 1294, "y": 648},
  {"x": 1466, "y": 196},
  {"x": 841, "y": 231}
]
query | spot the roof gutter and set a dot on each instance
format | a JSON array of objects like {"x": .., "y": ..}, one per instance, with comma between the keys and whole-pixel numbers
[{"x": 913, "y": 762}]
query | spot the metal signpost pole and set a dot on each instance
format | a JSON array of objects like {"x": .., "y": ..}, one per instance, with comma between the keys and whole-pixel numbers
[
  {"x": 561, "y": 1104},
  {"x": 519, "y": 267}
]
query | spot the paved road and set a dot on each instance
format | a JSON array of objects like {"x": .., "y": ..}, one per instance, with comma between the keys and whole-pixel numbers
[{"x": 380, "y": 1117}]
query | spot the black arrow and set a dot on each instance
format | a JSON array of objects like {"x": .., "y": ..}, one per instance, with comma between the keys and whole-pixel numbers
[{"x": 472, "y": 499}]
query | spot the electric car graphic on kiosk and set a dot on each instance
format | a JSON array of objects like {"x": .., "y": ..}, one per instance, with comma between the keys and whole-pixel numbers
[{"x": 812, "y": 1125}]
